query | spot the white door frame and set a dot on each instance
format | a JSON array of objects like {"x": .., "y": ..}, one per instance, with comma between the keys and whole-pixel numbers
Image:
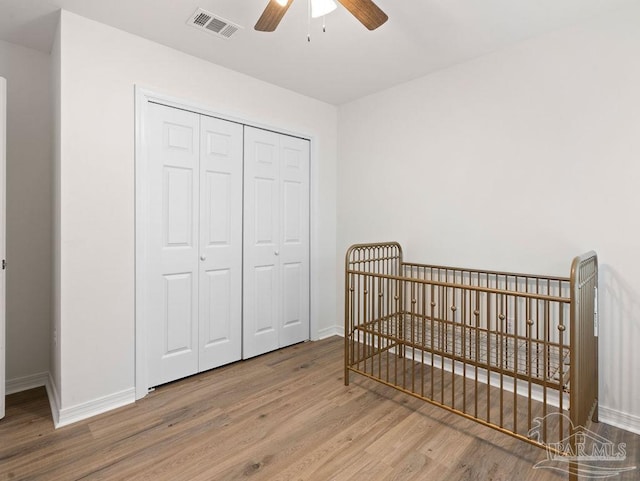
[
  {"x": 3, "y": 235},
  {"x": 143, "y": 97}
]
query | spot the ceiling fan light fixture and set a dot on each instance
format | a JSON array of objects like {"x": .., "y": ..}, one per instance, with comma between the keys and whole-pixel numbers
[
  {"x": 320, "y": 8},
  {"x": 366, "y": 11}
]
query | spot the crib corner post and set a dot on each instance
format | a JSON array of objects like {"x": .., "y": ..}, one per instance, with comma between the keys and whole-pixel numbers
[
  {"x": 347, "y": 320},
  {"x": 346, "y": 359}
]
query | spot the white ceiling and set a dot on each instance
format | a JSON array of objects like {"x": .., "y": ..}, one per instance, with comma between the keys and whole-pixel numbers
[{"x": 345, "y": 63}]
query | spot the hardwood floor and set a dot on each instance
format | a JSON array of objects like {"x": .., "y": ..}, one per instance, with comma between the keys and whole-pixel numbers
[{"x": 283, "y": 416}]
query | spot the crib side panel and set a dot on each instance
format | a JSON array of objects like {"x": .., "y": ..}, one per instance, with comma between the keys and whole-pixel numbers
[
  {"x": 368, "y": 300},
  {"x": 497, "y": 345},
  {"x": 584, "y": 341}
]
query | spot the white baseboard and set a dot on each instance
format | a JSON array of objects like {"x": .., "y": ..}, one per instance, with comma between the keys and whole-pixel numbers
[
  {"x": 628, "y": 422},
  {"x": 54, "y": 399},
  {"x": 336, "y": 330},
  {"x": 327, "y": 332},
  {"x": 27, "y": 382},
  {"x": 94, "y": 407},
  {"x": 63, "y": 417}
]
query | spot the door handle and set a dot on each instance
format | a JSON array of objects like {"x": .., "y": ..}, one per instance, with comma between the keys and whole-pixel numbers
[
  {"x": 276, "y": 253},
  {"x": 203, "y": 258}
]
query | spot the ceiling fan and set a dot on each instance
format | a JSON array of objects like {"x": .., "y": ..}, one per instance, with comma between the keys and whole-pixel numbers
[{"x": 367, "y": 12}]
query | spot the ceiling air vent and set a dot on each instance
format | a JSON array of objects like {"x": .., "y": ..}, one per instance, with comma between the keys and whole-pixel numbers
[{"x": 214, "y": 24}]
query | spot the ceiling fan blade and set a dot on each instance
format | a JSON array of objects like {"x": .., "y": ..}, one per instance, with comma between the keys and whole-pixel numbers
[
  {"x": 367, "y": 12},
  {"x": 271, "y": 16}
]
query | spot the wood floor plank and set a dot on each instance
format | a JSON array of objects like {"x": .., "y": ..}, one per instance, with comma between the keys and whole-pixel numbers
[{"x": 284, "y": 416}]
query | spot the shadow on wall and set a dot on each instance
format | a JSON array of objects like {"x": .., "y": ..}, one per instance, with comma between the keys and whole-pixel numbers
[{"x": 619, "y": 332}]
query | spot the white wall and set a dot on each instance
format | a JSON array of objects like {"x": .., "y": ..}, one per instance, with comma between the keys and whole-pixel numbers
[
  {"x": 517, "y": 161},
  {"x": 28, "y": 214},
  {"x": 99, "y": 68}
]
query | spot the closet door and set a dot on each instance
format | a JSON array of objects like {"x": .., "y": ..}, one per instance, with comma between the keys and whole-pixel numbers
[
  {"x": 194, "y": 292},
  {"x": 173, "y": 267},
  {"x": 261, "y": 311},
  {"x": 276, "y": 241},
  {"x": 220, "y": 335},
  {"x": 294, "y": 240}
]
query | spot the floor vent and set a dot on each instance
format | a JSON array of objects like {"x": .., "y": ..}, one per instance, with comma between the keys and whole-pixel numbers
[{"x": 218, "y": 26}]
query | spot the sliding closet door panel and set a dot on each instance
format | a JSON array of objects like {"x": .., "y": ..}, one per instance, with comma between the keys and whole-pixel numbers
[
  {"x": 173, "y": 141},
  {"x": 220, "y": 242},
  {"x": 294, "y": 240},
  {"x": 261, "y": 235}
]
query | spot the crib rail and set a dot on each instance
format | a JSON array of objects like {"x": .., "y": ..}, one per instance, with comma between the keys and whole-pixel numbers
[{"x": 495, "y": 347}]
